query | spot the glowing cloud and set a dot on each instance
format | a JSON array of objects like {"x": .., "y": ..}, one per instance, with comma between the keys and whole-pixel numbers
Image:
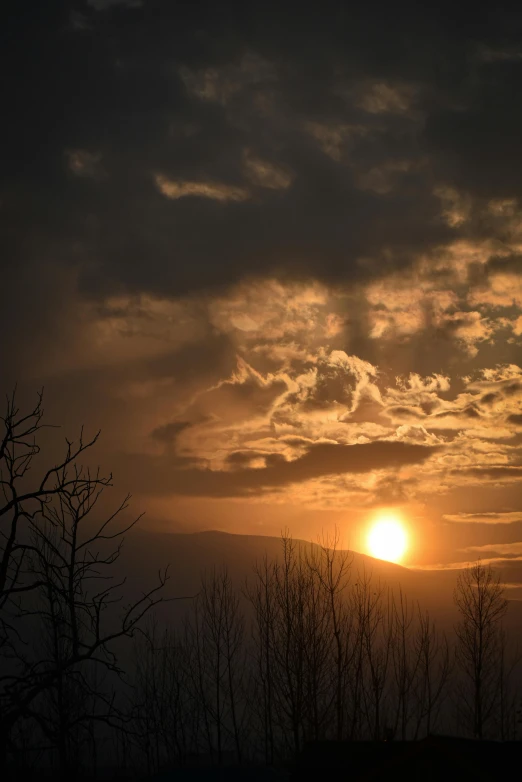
[{"x": 217, "y": 191}]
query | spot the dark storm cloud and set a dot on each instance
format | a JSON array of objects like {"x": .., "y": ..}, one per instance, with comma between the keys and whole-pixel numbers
[
  {"x": 107, "y": 109},
  {"x": 157, "y": 475},
  {"x": 477, "y": 143}
]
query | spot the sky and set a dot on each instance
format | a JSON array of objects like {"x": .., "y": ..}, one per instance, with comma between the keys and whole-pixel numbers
[{"x": 275, "y": 254}]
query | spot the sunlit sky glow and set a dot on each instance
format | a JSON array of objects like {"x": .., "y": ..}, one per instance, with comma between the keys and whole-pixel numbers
[{"x": 278, "y": 264}]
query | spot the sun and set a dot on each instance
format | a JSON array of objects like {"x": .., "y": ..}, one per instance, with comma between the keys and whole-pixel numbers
[{"x": 387, "y": 538}]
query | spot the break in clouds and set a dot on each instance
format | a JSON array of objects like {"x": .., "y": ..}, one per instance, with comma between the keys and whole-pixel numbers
[{"x": 277, "y": 259}]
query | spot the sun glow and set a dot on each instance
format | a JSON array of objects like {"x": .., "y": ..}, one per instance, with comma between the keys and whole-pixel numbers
[{"x": 387, "y": 538}]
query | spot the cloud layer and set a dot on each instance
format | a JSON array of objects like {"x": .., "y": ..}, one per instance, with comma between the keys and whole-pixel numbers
[{"x": 277, "y": 258}]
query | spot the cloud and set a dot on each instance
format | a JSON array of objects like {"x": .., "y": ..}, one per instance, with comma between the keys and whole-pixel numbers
[
  {"x": 468, "y": 327},
  {"x": 382, "y": 179},
  {"x": 508, "y": 473},
  {"x": 246, "y": 248},
  {"x": 169, "y": 432},
  {"x": 83, "y": 163},
  {"x": 320, "y": 460},
  {"x": 266, "y": 174},
  {"x": 406, "y": 413},
  {"x": 517, "y": 326},
  {"x": 335, "y": 139},
  {"x": 457, "y": 207},
  {"x": 223, "y": 84},
  {"x": 216, "y": 191},
  {"x": 383, "y": 98},
  {"x": 502, "y": 549},
  {"x": 246, "y": 396},
  {"x": 496, "y": 517},
  {"x": 503, "y": 289},
  {"x": 173, "y": 113},
  {"x": 486, "y": 129},
  {"x": 105, "y": 5},
  {"x": 495, "y": 562}
]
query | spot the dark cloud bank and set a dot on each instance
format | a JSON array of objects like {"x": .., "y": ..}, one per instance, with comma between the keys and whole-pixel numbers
[{"x": 101, "y": 98}]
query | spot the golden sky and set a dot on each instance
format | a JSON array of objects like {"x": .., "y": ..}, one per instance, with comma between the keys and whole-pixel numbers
[{"x": 286, "y": 283}]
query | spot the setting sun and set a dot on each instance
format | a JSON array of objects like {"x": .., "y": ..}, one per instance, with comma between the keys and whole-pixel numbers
[{"x": 387, "y": 539}]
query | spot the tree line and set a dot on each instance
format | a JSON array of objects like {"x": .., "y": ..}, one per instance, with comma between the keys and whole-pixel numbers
[{"x": 306, "y": 649}]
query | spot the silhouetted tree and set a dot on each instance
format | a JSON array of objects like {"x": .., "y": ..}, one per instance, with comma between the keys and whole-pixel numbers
[
  {"x": 333, "y": 569},
  {"x": 56, "y": 572},
  {"x": 406, "y": 658},
  {"x": 508, "y": 689},
  {"x": 373, "y": 609},
  {"x": 480, "y": 600},
  {"x": 165, "y": 714},
  {"x": 434, "y": 670},
  {"x": 290, "y": 586},
  {"x": 215, "y": 633},
  {"x": 262, "y": 597},
  {"x": 330, "y": 654}
]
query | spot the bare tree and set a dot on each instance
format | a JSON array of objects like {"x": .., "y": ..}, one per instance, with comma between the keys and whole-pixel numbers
[
  {"x": 290, "y": 584},
  {"x": 262, "y": 598},
  {"x": 480, "y": 600},
  {"x": 165, "y": 714},
  {"x": 57, "y": 553},
  {"x": 291, "y": 646},
  {"x": 216, "y": 633},
  {"x": 406, "y": 660},
  {"x": 147, "y": 695},
  {"x": 332, "y": 568},
  {"x": 61, "y": 711},
  {"x": 372, "y": 604},
  {"x": 508, "y": 689},
  {"x": 318, "y": 642},
  {"x": 434, "y": 670}
]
